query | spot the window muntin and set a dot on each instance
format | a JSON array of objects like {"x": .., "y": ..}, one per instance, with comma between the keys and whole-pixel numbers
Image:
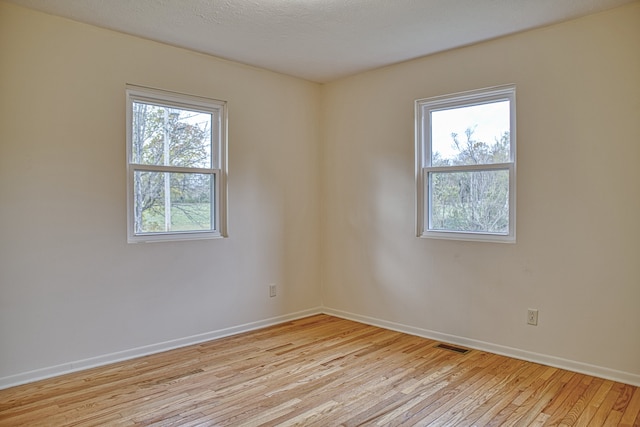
[
  {"x": 176, "y": 160},
  {"x": 465, "y": 165}
]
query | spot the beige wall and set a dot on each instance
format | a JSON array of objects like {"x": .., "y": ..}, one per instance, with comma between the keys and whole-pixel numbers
[
  {"x": 321, "y": 200},
  {"x": 578, "y": 201},
  {"x": 71, "y": 288}
]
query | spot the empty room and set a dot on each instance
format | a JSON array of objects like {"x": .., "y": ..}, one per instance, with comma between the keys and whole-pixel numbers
[{"x": 319, "y": 212}]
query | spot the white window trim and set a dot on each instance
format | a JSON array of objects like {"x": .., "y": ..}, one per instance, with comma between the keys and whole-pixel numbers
[
  {"x": 423, "y": 107},
  {"x": 218, "y": 162}
]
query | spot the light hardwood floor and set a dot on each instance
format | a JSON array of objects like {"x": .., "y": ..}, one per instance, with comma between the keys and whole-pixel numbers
[{"x": 322, "y": 371}]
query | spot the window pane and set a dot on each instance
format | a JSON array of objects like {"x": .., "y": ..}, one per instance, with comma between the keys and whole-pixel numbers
[
  {"x": 167, "y": 201},
  {"x": 475, "y": 201},
  {"x": 165, "y": 136},
  {"x": 477, "y": 134}
]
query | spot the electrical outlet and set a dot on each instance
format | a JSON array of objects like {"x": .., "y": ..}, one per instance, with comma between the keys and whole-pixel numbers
[
  {"x": 272, "y": 291},
  {"x": 532, "y": 317}
]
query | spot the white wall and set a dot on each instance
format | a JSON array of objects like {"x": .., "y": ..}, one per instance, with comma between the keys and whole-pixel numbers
[
  {"x": 578, "y": 210},
  {"x": 71, "y": 288}
]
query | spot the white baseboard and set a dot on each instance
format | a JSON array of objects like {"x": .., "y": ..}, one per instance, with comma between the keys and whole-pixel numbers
[
  {"x": 79, "y": 365},
  {"x": 557, "y": 362}
]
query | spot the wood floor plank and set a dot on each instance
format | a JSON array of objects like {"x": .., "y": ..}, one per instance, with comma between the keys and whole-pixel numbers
[
  {"x": 606, "y": 408},
  {"x": 321, "y": 371},
  {"x": 448, "y": 401},
  {"x": 581, "y": 401},
  {"x": 567, "y": 399},
  {"x": 489, "y": 401},
  {"x": 531, "y": 396},
  {"x": 589, "y": 412},
  {"x": 632, "y": 411}
]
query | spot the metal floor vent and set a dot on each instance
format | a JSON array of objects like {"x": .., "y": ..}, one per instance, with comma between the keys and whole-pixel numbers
[{"x": 453, "y": 348}]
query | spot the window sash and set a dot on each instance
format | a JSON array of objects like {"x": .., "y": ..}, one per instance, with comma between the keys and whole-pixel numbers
[
  {"x": 217, "y": 219},
  {"x": 213, "y": 107},
  {"x": 426, "y": 229},
  {"x": 213, "y": 217}
]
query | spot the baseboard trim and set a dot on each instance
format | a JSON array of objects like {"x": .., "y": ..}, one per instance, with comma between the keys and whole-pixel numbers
[
  {"x": 80, "y": 365},
  {"x": 557, "y": 362}
]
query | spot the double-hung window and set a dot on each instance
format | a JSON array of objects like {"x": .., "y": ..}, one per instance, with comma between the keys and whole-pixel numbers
[
  {"x": 176, "y": 166},
  {"x": 466, "y": 165}
]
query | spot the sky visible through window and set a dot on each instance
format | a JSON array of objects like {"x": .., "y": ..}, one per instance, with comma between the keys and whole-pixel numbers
[{"x": 489, "y": 121}]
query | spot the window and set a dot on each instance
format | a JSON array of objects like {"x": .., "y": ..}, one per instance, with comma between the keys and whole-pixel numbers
[
  {"x": 465, "y": 165},
  {"x": 176, "y": 166}
]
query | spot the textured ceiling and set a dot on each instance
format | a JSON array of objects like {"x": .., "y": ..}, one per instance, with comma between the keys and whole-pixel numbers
[{"x": 320, "y": 40}]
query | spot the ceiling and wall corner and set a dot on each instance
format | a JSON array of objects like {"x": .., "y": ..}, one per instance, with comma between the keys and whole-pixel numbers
[{"x": 320, "y": 40}]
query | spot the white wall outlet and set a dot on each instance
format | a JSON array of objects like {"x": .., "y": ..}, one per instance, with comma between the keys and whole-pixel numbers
[
  {"x": 532, "y": 317},
  {"x": 272, "y": 291}
]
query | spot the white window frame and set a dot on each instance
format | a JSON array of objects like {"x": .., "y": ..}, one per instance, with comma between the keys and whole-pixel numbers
[
  {"x": 218, "y": 169},
  {"x": 423, "y": 109}
]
